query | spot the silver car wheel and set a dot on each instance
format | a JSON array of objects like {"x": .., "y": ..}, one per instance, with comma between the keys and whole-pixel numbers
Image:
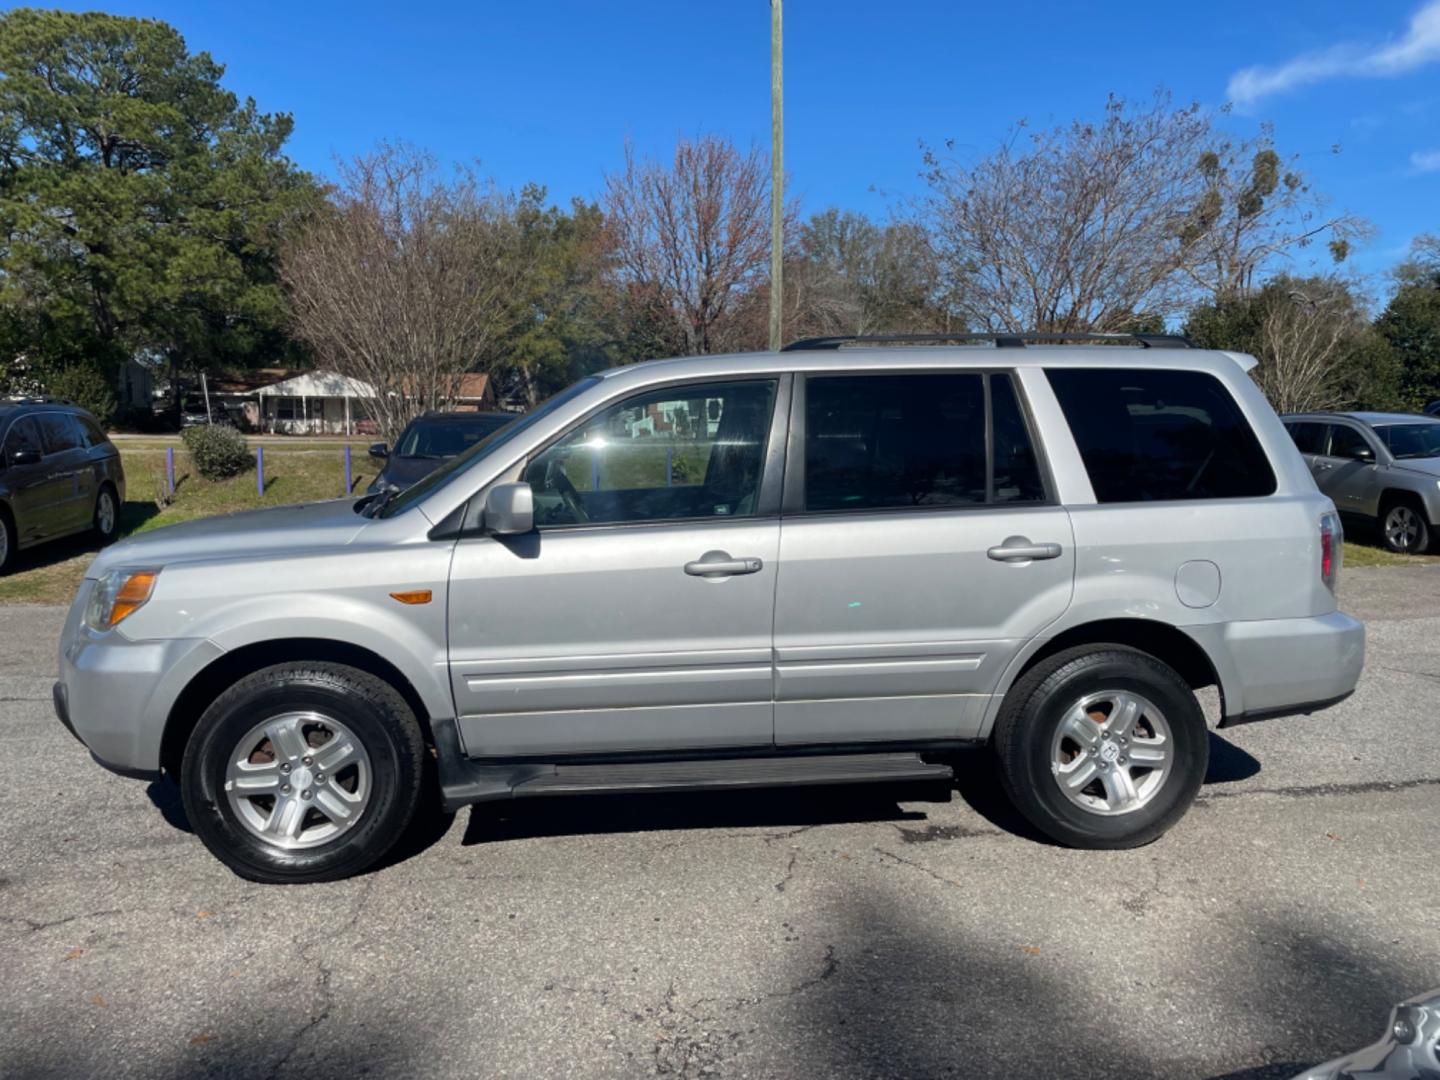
[
  {"x": 298, "y": 780},
  {"x": 1402, "y": 528},
  {"x": 1112, "y": 752},
  {"x": 4, "y": 541},
  {"x": 105, "y": 513}
]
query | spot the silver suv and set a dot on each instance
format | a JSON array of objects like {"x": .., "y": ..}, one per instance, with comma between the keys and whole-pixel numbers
[
  {"x": 1380, "y": 466},
  {"x": 837, "y": 563}
]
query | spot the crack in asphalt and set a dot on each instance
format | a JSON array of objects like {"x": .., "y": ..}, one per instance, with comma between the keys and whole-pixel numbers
[
  {"x": 322, "y": 984},
  {"x": 1139, "y": 904},
  {"x": 1406, "y": 671},
  {"x": 919, "y": 866},
  {"x": 789, "y": 873},
  {"x": 34, "y": 926},
  {"x": 1364, "y": 787}
]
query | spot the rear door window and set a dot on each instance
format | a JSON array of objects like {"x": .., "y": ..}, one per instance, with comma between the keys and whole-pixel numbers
[
  {"x": 90, "y": 432},
  {"x": 1153, "y": 434},
  {"x": 1309, "y": 436},
  {"x": 881, "y": 442},
  {"x": 59, "y": 432}
]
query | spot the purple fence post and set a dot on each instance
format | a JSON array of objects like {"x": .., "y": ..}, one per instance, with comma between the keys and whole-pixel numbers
[
  {"x": 594, "y": 471},
  {"x": 170, "y": 470},
  {"x": 260, "y": 470},
  {"x": 347, "y": 472}
]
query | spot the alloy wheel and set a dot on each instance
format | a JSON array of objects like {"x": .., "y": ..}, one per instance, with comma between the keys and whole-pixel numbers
[
  {"x": 1112, "y": 752},
  {"x": 298, "y": 780},
  {"x": 1402, "y": 528},
  {"x": 105, "y": 513}
]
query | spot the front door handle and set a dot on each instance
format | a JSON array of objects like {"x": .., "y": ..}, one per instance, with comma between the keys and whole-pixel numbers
[
  {"x": 720, "y": 564},
  {"x": 1018, "y": 548}
]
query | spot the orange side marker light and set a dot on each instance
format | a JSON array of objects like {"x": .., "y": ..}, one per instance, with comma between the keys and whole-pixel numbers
[{"x": 413, "y": 596}]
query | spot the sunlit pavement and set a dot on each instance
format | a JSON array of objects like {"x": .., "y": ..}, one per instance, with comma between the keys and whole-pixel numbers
[{"x": 825, "y": 933}]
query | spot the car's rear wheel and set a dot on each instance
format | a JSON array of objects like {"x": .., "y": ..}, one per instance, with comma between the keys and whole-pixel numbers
[
  {"x": 1102, "y": 746},
  {"x": 303, "y": 772},
  {"x": 106, "y": 521},
  {"x": 1403, "y": 527},
  {"x": 7, "y": 540}
]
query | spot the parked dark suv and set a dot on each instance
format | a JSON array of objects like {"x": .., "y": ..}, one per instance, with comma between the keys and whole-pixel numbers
[
  {"x": 59, "y": 475},
  {"x": 429, "y": 440}
]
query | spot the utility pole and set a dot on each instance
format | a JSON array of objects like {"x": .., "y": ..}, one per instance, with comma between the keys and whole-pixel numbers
[{"x": 777, "y": 177}]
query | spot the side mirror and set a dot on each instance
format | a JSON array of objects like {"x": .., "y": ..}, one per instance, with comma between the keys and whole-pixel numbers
[
  {"x": 1364, "y": 453},
  {"x": 509, "y": 509},
  {"x": 379, "y": 450},
  {"x": 25, "y": 457}
]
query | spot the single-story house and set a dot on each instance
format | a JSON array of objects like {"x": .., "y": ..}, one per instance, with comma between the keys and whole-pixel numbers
[
  {"x": 316, "y": 403},
  {"x": 476, "y": 393}
]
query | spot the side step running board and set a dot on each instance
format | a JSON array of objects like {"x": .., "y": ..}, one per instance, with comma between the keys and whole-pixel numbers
[{"x": 463, "y": 781}]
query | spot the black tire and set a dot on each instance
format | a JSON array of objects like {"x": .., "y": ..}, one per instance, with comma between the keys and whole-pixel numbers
[
  {"x": 1411, "y": 535},
  {"x": 8, "y": 540},
  {"x": 106, "y": 536},
  {"x": 373, "y": 711},
  {"x": 1033, "y": 711}
]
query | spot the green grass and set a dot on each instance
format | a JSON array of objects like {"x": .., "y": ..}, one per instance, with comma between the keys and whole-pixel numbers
[
  {"x": 50, "y": 573},
  {"x": 1357, "y": 554}
]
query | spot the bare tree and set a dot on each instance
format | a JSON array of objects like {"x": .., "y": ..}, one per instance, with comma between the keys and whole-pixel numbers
[
  {"x": 1307, "y": 338},
  {"x": 851, "y": 275},
  {"x": 408, "y": 282},
  {"x": 1256, "y": 210},
  {"x": 689, "y": 240},
  {"x": 1070, "y": 229}
]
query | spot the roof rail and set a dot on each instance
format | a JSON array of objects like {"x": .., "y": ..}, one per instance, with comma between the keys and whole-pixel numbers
[{"x": 1002, "y": 340}]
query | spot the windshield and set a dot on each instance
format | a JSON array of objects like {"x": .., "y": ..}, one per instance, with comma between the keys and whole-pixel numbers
[
  {"x": 436, "y": 438},
  {"x": 1412, "y": 440},
  {"x": 404, "y": 500}
]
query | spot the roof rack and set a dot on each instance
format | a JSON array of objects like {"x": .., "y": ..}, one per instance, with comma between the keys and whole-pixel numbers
[{"x": 1002, "y": 340}]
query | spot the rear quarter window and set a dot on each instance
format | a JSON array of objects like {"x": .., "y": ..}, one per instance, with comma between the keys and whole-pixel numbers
[{"x": 1152, "y": 434}]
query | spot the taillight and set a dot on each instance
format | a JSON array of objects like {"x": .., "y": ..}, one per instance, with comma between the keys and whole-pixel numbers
[{"x": 1331, "y": 550}]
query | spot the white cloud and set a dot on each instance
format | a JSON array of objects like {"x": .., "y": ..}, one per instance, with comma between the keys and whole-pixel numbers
[
  {"x": 1425, "y": 161},
  {"x": 1420, "y": 45}
]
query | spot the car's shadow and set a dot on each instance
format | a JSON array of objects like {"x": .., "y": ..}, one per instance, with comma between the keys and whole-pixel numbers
[{"x": 784, "y": 808}]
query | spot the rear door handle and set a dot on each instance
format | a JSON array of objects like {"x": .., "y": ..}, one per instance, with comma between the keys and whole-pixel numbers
[
  {"x": 720, "y": 564},
  {"x": 1019, "y": 548}
]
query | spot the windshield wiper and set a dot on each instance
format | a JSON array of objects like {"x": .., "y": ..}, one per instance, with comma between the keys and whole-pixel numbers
[{"x": 380, "y": 501}]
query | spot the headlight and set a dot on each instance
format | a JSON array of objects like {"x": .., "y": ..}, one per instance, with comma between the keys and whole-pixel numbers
[{"x": 118, "y": 594}]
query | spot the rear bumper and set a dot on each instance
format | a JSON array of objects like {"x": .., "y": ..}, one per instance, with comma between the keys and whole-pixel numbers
[{"x": 1280, "y": 667}]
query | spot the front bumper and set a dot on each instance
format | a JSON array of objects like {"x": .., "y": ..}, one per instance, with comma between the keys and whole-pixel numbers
[
  {"x": 115, "y": 695},
  {"x": 1279, "y": 667}
]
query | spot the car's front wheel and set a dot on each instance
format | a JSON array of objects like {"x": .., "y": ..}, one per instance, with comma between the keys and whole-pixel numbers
[
  {"x": 1403, "y": 527},
  {"x": 1102, "y": 746},
  {"x": 303, "y": 772},
  {"x": 7, "y": 540}
]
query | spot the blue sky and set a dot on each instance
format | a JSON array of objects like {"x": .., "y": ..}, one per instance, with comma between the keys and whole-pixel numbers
[{"x": 549, "y": 91}]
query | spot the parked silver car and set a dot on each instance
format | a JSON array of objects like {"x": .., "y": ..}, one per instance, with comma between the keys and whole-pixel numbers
[
  {"x": 835, "y": 563},
  {"x": 1380, "y": 466}
]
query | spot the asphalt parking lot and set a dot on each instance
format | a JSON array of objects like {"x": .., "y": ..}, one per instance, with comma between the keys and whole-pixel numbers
[{"x": 826, "y": 933}]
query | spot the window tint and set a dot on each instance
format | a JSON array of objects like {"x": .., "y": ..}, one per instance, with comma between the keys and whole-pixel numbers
[
  {"x": 445, "y": 438},
  {"x": 1017, "y": 472},
  {"x": 1309, "y": 436},
  {"x": 23, "y": 435},
  {"x": 664, "y": 455},
  {"x": 881, "y": 441},
  {"x": 90, "y": 432},
  {"x": 1156, "y": 434},
  {"x": 1412, "y": 440},
  {"x": 1346, "y": 442},
  {"x": 58, "y": 431}
]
